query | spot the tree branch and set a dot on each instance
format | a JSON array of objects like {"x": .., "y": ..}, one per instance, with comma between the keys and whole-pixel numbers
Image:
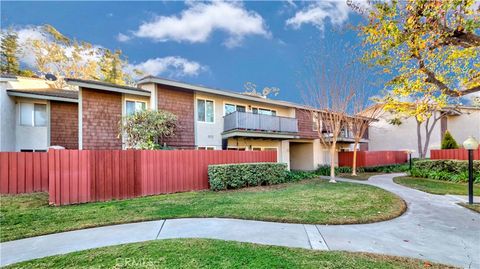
[{"x": 431, "y": 78}]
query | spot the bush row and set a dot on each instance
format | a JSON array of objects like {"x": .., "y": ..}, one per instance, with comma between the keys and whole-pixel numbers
[
  {"x": 324, "y": 170},
  {"x": 234, "y": 176},
  {"x": 449, "y": 170}
]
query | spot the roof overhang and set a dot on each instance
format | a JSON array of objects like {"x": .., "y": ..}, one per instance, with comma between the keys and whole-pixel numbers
[
  {"x": 7, "y": 78},
  {"x": 107, "y": 87},
  {"x": 207, "y": 90},
  {"x": 41, "y": 96},
  {"x": 347, "y": 140},
  {"x": 257, "y": 134}
]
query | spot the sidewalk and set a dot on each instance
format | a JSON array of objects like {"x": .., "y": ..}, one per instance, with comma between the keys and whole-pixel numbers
[{"x": 434, "y": 228}]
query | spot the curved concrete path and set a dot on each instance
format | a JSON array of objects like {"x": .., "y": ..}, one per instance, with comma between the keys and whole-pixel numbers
[{"x": 433, "y": 228}]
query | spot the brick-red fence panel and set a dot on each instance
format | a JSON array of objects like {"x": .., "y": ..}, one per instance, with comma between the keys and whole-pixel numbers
[
  {"x": 454, "y": 154},
  {"x": 23, "y": 172},
  {"x": 372, "y": 158},
  {"x": 79, "y": 176}
]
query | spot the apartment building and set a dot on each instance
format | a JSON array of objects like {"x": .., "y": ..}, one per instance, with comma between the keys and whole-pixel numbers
[
  {"x": 461, "y": 122},
  {"x": 36, "y": 115}
]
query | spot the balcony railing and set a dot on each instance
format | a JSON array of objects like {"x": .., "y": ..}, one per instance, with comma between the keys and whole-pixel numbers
[{"x": 259, "y": 122}]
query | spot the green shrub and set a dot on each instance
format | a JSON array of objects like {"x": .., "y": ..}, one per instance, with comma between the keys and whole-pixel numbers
[
  {"x": 324, "y": 170},
  {"x": 449, "y": 170},
  {"x": 392, "y": 168},
  {"x": 234, "y": 176},
  {"x": 448, "y": 141},
  {"x": 296, "y": 175}
]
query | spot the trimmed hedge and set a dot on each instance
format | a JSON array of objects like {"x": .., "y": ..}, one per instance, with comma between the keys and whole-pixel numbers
[
  {"x": 297, "y": 175},
  {"x": 324, "y": 170},
  {"x": 449, "y": 170},
  {"x": 234, "y": 176}
]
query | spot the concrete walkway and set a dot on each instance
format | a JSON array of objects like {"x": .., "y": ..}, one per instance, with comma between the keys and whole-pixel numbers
[{"x": 434, "y": 228}]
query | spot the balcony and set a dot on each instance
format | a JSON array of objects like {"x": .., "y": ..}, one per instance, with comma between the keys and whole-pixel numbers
[{"x": 258, "y": 125}]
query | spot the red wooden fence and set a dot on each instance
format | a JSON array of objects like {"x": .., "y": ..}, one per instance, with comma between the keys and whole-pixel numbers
[
  {"x": 372, "y": 158},
  {"x": 102, "y": 175},
  {"x": 455, "y": 154},
  {"x": 23, "y": 172}
]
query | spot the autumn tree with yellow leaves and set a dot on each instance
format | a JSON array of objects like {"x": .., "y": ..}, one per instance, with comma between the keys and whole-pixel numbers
[{"x": 430, "y": 49}]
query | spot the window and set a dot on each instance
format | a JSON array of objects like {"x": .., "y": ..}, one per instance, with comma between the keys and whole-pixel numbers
[
  {"x": 33, "y": 114},
  {"x": 264, "y": 111},
  {"x": 230, "y": 108},
  {"x": 133, "y": 107},
  {"x": 206, "y": 148},
  {"x": 236, "y": 148},
  {"x": 205, "y": 110}
]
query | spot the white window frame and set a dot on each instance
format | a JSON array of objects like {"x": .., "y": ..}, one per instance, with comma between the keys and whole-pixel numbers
[
  {"x": 196, "y": 115},
  {"x": 135, "y": 101},
  {"x": 33, "y": 123},
  {"x": 235, "y": 104},
  {"x": 263, "y": 108}
]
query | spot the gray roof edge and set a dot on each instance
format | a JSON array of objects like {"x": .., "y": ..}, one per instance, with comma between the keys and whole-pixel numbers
[
  {"x": 157, "y": 80},
  {"x": 98, "y": 85},
  {"x": 41, "y": 96}
]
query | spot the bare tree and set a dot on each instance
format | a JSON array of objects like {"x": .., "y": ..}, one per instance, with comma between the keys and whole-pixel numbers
[
  {"x": 364, "y": 114},
  {"x": 329, "y": 86}
]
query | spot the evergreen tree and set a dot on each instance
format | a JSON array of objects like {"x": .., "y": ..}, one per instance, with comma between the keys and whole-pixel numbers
[
  {"x": 8, "y": 55},
  {"x": 111, "y": 67},
  {"x": 448, "y": 141}
]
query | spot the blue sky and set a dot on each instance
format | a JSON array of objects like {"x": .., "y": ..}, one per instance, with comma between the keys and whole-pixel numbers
[{"x": 220, "y": 45}]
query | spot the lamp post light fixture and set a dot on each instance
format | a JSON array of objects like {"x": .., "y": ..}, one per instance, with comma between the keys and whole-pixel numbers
[
  {"x": 470, "y": 144},
  {"x": 409, "y": 152}
]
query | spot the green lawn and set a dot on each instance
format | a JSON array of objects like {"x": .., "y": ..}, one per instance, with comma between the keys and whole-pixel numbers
[
  {"x": 202, "y": 253},
  {"x": 308, "y": 201},
  {"x": 436, "y": 186},
  {"x": 360, "y": 176}
]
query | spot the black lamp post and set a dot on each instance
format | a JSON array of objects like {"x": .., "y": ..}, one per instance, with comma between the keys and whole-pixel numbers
[
  {"x": 409, "y": 152},
  {"x": 470, "y": 144}
]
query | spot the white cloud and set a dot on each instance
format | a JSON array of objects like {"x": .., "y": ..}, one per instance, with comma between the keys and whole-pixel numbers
[
  {"x": 25, "y": 35},
  {"x": 317, "y": 14},
  {"x": 123, "y": 37},
  {"x": 197, "y": 23},
  {"x": 171, "y": 66}
]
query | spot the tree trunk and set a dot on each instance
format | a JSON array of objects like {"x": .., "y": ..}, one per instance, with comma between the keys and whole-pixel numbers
[
  {"x": 419, "y": 140},
  {"x": 354, "y": 162},
  {"x": 427, "y": 140},
  {"x": 332, "y": 163}
]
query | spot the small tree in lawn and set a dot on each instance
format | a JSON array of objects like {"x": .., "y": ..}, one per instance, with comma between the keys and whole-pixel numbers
[
  {"x": 329, "y": 85},
  {"x": 148, "y": 129},
  {"x": 364, "y": 115},
  {"x": 449, "y": 142}
]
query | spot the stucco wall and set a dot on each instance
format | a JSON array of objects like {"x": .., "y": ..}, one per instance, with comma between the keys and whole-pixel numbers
[
  {"x": 31, "y": 137},
  {"x": 282, "y": 146},
  {"x": 7, "y": 119},
  {"x": 302, "y": 156},
  {"x": 385, "y": 136},
  {"x": 465, "y": 125},
  {"x": 209, "y": 134}
]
